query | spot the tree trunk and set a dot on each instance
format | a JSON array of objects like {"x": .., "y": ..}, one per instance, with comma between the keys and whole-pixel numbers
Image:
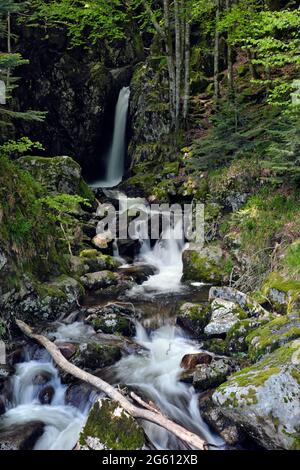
[
  {"x": 217, "y": 54},
  {"x": 230, "y": 62},
  {"x": 152, "y": 415},
  {"x": 251, "y": 65},
  {"x": 170, "y": 61},
  {"x": 8, "y": 47},
  {"x": 187, "y": 68},
  {"x": 178, "y": 61}
]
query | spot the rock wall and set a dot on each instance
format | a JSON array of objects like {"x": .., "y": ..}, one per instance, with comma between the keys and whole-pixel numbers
[{"x": 77, "y": 87}]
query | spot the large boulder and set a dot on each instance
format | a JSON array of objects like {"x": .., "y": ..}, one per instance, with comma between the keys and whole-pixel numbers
[
  {"x": 99, "y": 280},
  {"x": 43, "y": 301},
  {"x": 112, "y": 319},
  {"x": 209, "y": 264},
  {"x": 57, "y": 174},
  {"x": 193, "y": 318},
  {"x": 94, "y": 355},
  {"x": 274, "y": 334},
  {"x": 236, "y": 338},
  {"x": 281, "y": 291},
  {"x": 109, "y": 427},
  {"x": 264, "y": 398},
  {"x": 225, "y": 314},
  {"x": 21, "y": 436},
  {"x": 250, "y": 306},
  {"x": 225, "y": 427}
]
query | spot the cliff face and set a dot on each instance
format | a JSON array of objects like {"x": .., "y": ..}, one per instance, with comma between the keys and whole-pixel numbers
[{"x": 77, "y": 87}]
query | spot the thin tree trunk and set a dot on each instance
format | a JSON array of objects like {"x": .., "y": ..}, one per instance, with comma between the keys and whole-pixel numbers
[
  {"x": 230, "y": 62},
  {"x": 217, "y": 55},
  {"x": 251, "y": 65},
  {"x": 178, "y": 61},
  {"x": 187, "y": 68},
  {"x": 153, "y": 416},
  {"x": 170, "y": 61},
  {"x": 8, "y": 47}
]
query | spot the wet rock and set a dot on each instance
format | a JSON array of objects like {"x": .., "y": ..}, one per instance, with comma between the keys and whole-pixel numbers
[
  {"x": 209, "y": 264},
  {"x": 46, "y": 395},
  {"x": 224, "y": 315},
  {"x": 264, "y": 399},
  {"x": 213, "y": 374},
  {"x": 109, "y": 427},
  {"x": 129, "y": 247},
  {"x": 113, "y": 323},
  {"x": 274, "y": 334},
  {"x": 78, "y": 395},
  {"x": 42, "y": 378},
  {"x": 193, "y": 318},
  {"x": 190, "y": 361},
  {"x": 5, "y": 371},
  {"x": 98, "y": 280},
  {"x": 21, "y": 437},
  {"x": 94, "y": 355},
  {"x": 139, "y": 273},
  {"x": 225, "y": 427},
  {"x": 67, "y": 349},
  {"x": 5, "y": 392}
]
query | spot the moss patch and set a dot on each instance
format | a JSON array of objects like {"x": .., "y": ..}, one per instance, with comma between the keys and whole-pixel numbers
[{"x": 114, "y": 428}]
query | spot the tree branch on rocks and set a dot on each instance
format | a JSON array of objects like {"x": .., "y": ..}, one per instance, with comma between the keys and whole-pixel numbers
[{"x": 155, "y": 417}]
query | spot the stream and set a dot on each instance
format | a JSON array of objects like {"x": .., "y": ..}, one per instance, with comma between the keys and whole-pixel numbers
[{"x": 154, "y": 373}]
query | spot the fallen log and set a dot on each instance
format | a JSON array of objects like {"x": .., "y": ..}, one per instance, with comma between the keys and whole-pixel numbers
[{"x": 148, "y": 414}]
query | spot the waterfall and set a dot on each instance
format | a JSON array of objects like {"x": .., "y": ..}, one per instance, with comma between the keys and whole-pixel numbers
[
  {"x": 156, "y": 374},
  {"x": 116, "y": 154}
]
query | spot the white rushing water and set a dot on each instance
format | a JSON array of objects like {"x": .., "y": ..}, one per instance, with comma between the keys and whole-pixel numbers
[
  {"x": 116, "y": 154},
  {"x": 156, "y": 374},
  {"x": 62, "y": 422}
]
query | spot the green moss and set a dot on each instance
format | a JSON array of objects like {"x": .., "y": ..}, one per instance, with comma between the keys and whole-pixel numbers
[
  {"x": 89, "y": 253},
  {"x": 85, "y": 191},
  {"x": 270, "y": 337},
  {"x": 215, "y": 345},
  {"x": 206, "y": 267},
  {"x": 115, "y": 430}
]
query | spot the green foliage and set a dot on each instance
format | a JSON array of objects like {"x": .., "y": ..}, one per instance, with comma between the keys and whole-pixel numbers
[
  {"x": 86, "y": 21},
  {"x": 16, "y": 148},
  {"x": 61, "y": 209},
  {"x": 272, "y": 39}
]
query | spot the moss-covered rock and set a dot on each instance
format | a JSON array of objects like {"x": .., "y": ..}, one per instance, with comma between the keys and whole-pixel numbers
[
  {"x": 193, "y": 318},
  {"x": 98, "y": 280},
  {"x": 93, "y": 262},
  {"x": 94, "y": 355},
  {"x": 225, "y": 314},
  {"x": 112, "y": 323},
  {"x": 282, "y": 291},
  {"x": 109, "y": 427},
  {"x": 211, "y": 375},
  {"x": 236, "y": 336},
  {"x": 264, "y": 398},
  {"x": 215, "y": 345},
  {"x": 274, "y": 334},
  {"x": 209, "y": 264},
  {"x": 57, "y": 175}
]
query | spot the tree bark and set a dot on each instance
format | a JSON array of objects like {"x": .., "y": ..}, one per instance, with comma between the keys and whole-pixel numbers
[
  {"x": 217, "y": 54},
  {"x": 8, "y": 47},
  {"x": 178, "y": 61},
  {"x": 170, "y": 61},
  {"x": 230, "y": 62},
  {"x": 187, "y": 68},
  {"x": 147, "y": 414}
]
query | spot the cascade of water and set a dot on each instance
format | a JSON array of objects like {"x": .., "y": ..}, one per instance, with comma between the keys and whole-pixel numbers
[
  {"x": 156, "y": 375},
  {"x": 62, "y": 422},
  {"x": 116, "y": 154}
]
